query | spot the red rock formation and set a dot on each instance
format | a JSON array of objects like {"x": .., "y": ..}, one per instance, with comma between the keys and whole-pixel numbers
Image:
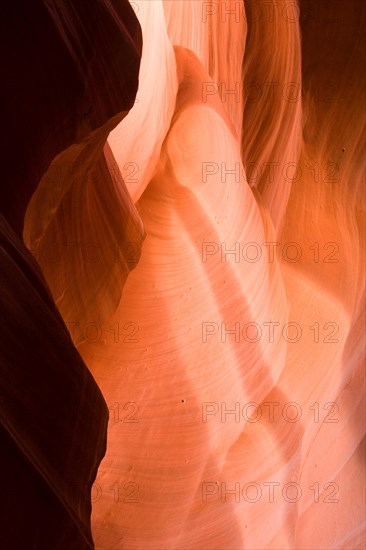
[
  {"x": 232, "y": 362},
  {"x": 53, "y": 417},
  {"x": 170, "y": 479},
  {"x": 72, "y": 75}
]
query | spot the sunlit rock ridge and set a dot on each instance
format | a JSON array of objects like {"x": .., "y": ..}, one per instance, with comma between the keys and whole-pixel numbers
[{"x": 201, "y": 231}]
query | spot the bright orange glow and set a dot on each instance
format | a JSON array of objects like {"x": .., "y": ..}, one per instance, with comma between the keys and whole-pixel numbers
[{"x": 232, "y": 360}]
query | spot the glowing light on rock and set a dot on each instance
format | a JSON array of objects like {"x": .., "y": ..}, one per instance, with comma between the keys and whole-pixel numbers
[{"x": 206, "y": 253}]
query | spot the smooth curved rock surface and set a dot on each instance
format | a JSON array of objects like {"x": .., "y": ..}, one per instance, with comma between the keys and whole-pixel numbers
[
  {"x": 161, "y": 455},
  {"x": 53, "y": 416},
  {"x": 58, "y": 58},
  {"x": 232, "y": 362}
]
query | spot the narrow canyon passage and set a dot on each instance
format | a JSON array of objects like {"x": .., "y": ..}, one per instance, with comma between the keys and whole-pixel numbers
[{"x": 182, "y": 240}]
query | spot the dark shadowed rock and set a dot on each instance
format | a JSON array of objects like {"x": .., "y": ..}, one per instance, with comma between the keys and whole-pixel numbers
[{"x": 70, "y": 71}]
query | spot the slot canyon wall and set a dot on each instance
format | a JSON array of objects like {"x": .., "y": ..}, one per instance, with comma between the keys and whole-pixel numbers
[{"x": 182, "y": 223}]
